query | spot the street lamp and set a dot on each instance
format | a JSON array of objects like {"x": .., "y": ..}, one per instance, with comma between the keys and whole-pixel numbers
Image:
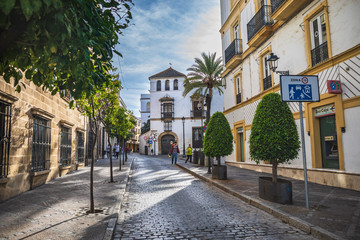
[
  {"x": 272, "y": 61},
  {"x": 183, "y": 121}
]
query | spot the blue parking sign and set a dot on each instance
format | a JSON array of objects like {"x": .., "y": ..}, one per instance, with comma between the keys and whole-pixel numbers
[{"x": 299, "y": 88}]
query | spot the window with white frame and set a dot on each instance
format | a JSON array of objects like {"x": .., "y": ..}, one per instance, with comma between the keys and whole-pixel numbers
[
  {"x": 168, "y": 126},
  {"x": 319, "y": 48}
]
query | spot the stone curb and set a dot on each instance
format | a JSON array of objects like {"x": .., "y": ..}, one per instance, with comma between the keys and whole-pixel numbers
[
  {"x": 115, "y": 211},
  {"x": 304, "y": 226}
]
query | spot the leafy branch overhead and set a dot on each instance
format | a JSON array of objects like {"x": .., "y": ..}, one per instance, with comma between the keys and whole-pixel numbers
[{"x": 61, "y": 44}]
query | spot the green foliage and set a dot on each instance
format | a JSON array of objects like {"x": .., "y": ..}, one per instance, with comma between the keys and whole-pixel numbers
[
  {"x": 204, "y": 77},
  {"x": 274, "y": 136},
  {"x": 218, "y": 139},
  {"x": 61, "y": 44}
]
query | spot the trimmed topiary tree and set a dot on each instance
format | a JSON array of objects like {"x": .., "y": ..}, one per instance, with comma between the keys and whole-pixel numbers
[
  {"x": 218, "y": 139},
  {"x": 274, "y": 136}
]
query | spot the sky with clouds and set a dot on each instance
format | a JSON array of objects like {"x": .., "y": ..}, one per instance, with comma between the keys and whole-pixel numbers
[{"x": 163, "y": 32}]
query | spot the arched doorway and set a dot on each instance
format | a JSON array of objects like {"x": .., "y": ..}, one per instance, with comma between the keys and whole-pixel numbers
[{"x": 165, "y": 143}]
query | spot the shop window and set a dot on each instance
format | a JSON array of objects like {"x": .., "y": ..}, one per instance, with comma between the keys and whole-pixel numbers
[
  {"x": 41, "y": 144},
  {"x": 5, "y": 131},
  {"x": 65, "y": 146}
]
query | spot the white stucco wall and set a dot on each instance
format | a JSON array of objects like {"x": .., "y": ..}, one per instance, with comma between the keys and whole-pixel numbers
[
  {"x": 351, "y": 140},
  {"x": 288, "y": 43}
]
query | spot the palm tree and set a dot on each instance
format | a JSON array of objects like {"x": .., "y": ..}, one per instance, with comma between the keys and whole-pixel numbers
[{"x": 204, "y": 77}]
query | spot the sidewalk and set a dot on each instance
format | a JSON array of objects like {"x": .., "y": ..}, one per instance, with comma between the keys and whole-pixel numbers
[
  {"x": 57, "y": 210},
  {"x": 334, "y": 212}
]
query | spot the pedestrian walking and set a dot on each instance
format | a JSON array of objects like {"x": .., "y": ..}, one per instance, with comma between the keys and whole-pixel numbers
[
  {"x": 117, "y": 150},
  {"x": 174, "y": 152},
  {"x": 188, "y": 153}
]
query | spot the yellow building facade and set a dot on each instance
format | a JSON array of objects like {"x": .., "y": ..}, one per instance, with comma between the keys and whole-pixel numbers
[
  {"x": 41, "y": 138},
  {"x": 310, "y": 38}
]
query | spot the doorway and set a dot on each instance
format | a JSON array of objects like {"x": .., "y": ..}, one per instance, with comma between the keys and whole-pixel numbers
[
  {"x": 329, "y": 143},
  {"x": 165, "y": 143},
  {"x": 240, "y": 146}
]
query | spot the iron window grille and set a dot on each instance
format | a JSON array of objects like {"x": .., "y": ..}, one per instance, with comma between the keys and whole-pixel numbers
[
  {"x": 267, "y": 82},
  {"x": 90, "y": 141},
  {"x": 167, "y": 126},
  {"x": 238, "y": 98},
  {"x": 65, "y": 147},
  {"x": 158, "y": 85},
  {"x": 167, "y": 111},
  {"x": 261, "y": 18},
  {"x": 41, "y": 144},
  {"x": 275, "y": 4},
  {"x": 319, "y": 54},
  {"x": 80, "y": 147},
  {"x": 176, "y": 84},
  {"x": 197, "y": 137},
  {"x": 5, "y": 136},
  {"x": 235, "y": 48}
]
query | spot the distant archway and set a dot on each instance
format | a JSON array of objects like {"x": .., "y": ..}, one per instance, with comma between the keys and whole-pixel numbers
[{"x": 164, "y": 141}]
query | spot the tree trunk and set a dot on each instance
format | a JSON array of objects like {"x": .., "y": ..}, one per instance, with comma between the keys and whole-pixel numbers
[
  {"x": 119, "y": 159},
  {"x": 208, "y": 106},
  {"x": 123, "y": 140},
  {"x": 92, "y": 204},
  {"x": 274, "y": 171},
  {"x": 218, "y": 161},
  {"x": 111, "y": 165}
]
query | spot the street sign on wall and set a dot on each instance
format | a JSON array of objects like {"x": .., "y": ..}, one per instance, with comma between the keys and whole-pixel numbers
[{"x": 299, "y": 88}]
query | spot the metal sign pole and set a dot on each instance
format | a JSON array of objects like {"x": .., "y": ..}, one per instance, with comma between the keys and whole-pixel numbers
[{"x": 304, "y": 154}]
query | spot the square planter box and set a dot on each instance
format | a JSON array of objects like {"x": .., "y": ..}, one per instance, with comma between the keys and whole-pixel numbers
[
  {"x": 279, "y": 192},
  {"x": 219, "y": 172}
]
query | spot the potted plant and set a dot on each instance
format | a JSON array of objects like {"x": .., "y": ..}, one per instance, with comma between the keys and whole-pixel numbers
[
  {"x": 218, "y": 142},
  {"x": 274, "y": 138}
]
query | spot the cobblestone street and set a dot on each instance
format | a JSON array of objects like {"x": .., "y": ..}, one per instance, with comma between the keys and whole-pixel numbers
[{"x": 163, "y": 202}]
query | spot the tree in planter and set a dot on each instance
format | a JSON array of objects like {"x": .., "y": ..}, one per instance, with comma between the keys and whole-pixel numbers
[
  {"x": 218, "y": 140},
  {"x": 274, "y": 136}
]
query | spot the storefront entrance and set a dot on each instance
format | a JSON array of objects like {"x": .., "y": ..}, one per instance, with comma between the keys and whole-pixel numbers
[
  {"x": 165, "y": 143},
  {"x": 329, "y": 145}
]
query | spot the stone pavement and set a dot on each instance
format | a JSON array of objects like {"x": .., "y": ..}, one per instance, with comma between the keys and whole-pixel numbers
[
  {"x": 57, "y": 210},
  {"x": 334, "y": 213}
]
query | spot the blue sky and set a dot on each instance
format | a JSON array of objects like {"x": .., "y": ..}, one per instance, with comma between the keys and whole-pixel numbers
[{"x": 163, "y": 32}]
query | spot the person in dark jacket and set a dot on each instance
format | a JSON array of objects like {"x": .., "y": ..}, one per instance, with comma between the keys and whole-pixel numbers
[{"x": 174, "y": 152}]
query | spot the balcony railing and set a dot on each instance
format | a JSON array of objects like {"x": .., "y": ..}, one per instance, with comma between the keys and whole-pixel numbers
[
  {"x": 319, "y": 54},
  {"x": 267, "y": 82},
  {"x": 197, "y": 113},
  {"x": 167, "y": 115},
  {"x": 275, "y": 4},
  {"x": 261, "y": 18},
  {"x": 235, "y": 48},
  {"x": 238, "y": 98}
]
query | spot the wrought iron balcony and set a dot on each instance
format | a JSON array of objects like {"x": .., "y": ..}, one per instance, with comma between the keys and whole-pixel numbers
[
  {"x": 261, "y": 18},
  {"x": 319, "y": 54},
  {"x": 238, "y": 98},
  {"x": 275, "y": 4},
  {"x": 167, "y": 115},
  {"x": 267, "y": 83},
  {"x": 197, "y": 113},
  {"x": 235, "y": 48}
]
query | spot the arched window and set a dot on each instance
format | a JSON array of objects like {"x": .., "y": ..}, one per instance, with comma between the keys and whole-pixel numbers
[
  {"x": 176, "y": 84},
  {"x": 148, "y": 107},
  {"x": 167, "y": 85},
  {"x": 158, "y": 85}
]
